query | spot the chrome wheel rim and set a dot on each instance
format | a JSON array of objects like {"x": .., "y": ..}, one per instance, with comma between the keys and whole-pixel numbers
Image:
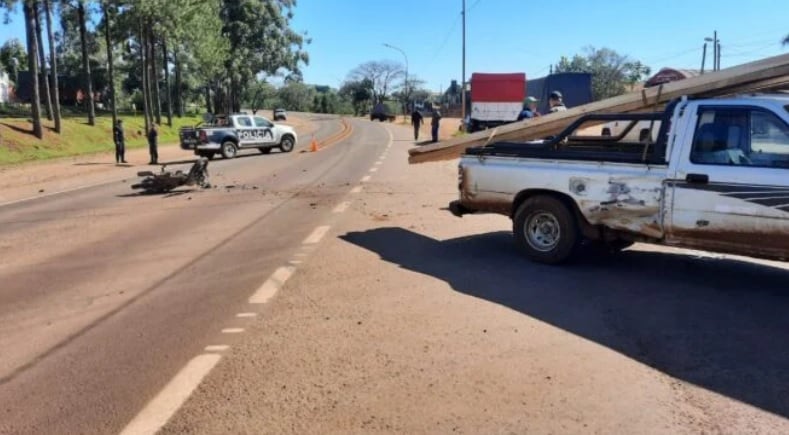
[{"x": 542, "y": 231}]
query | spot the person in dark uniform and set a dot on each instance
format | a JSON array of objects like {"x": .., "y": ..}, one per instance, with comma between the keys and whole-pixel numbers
[
  {"x": 416, "y": 121},
  {"x": 120, "y": 146},
  {"x": 153, "y": 150},
  {"x": 434, "y": 123}
]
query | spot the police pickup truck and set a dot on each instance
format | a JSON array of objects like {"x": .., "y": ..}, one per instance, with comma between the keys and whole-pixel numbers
[
  {"x": 229, "y": 135},
  {"x": 715, "y": 177}
]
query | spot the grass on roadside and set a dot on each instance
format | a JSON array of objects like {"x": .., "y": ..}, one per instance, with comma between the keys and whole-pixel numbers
[{"x": 17, "y": 143}]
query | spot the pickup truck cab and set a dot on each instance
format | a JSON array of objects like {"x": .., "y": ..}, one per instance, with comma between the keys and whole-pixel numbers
[
  {"x": 229, "y": 135},
  {"x": 716, "y": 178}
]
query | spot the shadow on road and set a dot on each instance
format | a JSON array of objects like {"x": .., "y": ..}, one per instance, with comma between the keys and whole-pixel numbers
[{"x": 717, "y": 323}]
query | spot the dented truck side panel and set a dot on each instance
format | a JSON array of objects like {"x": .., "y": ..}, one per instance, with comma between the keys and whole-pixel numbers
[{"x": 622, "y": 197}]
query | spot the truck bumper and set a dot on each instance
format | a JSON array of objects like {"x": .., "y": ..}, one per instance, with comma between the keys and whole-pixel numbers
[{"x": 458, "y": 209}]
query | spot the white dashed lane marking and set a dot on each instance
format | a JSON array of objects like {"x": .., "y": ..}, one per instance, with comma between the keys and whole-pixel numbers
[
  {"x": 156, "y": 413},
  {"x": 272, "y": 285},
  {"x": 356, "y": 189},
  {"x": 232, "y": 330},
  {"x": 217, "y": 348},
  {"x": 373, "y": 169},
  {"x": 365, "y": 179},
  {"x": 317, "y": 235},
  {"x": 341, "y": 207},
  {"x": 246, "y": 315}
]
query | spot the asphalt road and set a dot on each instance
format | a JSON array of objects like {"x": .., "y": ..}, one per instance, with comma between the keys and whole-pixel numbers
[
  {"x": 383, "y": 313},
  {"x": 105, "y": 293}
]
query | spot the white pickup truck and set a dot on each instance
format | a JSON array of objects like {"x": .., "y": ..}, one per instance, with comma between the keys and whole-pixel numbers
[
  {"x": 229, "y": 135},
  {"x": 715, "y": 177}
]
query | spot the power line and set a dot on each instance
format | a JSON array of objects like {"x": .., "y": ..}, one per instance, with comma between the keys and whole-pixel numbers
[
  {"x": 446, "y": 38},
  {"x": 473, "y": 6}
]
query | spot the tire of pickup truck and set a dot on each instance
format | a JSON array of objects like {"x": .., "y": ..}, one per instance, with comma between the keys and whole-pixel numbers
[
  {"x": 229, "y": 149},
  {"x": 546, "y": 231},
  {"x": 286, "y": 144}
]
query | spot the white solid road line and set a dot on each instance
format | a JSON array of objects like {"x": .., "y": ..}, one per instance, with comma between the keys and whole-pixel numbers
[
  {"x": 365, "y": 179},
  {"x": 217, "y": 348},
  {"x": 159, "y": 410},
  {"x": 245, "y": 315},
  {"x": 341, "y": 207},
  {"x": 232, "y": 330},
  {"x": 59, "y": 192},
  {"x": 272, "y": 285},
  {"x": 316, "y": 235},
  {"x": 356, "y": 189}
]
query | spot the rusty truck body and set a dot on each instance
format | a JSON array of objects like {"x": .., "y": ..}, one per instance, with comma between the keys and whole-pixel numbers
[{"x": 709, "y": 174}]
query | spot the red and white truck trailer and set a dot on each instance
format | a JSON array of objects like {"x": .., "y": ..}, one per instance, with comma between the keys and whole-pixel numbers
[{"x": 496, "y": 99}]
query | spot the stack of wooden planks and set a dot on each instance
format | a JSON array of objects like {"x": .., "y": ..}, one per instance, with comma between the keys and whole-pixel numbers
[{"x": 760, "y": 76}]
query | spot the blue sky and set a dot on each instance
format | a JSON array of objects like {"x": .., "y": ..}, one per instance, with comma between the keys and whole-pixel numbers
[{"x": 524, "y": 35}]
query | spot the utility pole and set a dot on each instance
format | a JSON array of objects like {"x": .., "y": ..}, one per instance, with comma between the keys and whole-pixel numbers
[
  {"x": 703, "y": 57},
  {"x": 463, "y": 80}
]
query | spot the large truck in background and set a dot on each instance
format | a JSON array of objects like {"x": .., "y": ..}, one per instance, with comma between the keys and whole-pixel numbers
[
  {"x": 496, "y": 99},
  {"x": 576, "y": 89}
]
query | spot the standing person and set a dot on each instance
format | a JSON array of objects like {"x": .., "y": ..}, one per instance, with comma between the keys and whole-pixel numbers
[
  {"x": 530, "y": 111},
  {"x": 434, "y": 122},
  {"x": 416, "y": 121},
  {"x": 153, "y": 137},
  {"x": 120, "y": 146},
  {"x": 556, "y": 103}
]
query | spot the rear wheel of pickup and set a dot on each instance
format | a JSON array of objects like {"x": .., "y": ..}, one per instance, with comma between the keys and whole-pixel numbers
[
  {"x": 545, "y": 230},
  {"x": 229, "y": 150}
]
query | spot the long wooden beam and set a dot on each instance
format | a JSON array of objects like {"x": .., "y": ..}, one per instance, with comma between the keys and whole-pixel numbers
[{"x": 762, "y": 75}]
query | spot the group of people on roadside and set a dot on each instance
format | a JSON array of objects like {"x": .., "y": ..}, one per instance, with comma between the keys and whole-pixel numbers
[
  {"x": 120, "y": 143},
  {"x": 555, "y": 104},
  {"x": 417, "y": 120}
]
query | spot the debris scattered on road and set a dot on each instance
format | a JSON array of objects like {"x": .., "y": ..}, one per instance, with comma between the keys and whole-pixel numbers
[{"x": 41, "y": 191}]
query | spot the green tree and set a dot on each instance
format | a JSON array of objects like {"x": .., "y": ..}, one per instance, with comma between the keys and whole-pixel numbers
[
  {"x": 379, "y": 75},
  {"x": 257, "y": 94},
  {"x": 635, "y": 72},
  {"x": 296, "y": 96},
  {"x": 610, "y": 70},
  {"x": 260, "y": 41},
  {"x": 88, "y": 82},
  {"x": 358, "y": 92},
  {"x": 13, "y": 57},
  {"x": 53, "y": 79},
  {"x": 32, "y": 62}
]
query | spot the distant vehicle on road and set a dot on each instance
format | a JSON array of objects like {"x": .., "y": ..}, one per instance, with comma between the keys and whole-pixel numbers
[
  {"x": 280, "y": 115},
  {"x": 381, "y": 113},
  {"x": 229, "y": 135}
]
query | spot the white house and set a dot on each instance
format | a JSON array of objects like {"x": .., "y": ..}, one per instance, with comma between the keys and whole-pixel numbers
[{"x": 5, "y": 88}]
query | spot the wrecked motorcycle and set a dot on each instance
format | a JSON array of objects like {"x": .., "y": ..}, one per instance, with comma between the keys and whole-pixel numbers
[{"x": 166, "y": 181}]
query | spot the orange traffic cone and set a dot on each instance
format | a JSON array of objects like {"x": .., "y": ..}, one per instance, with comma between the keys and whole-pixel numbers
[{"x": 313, "y": 145}]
